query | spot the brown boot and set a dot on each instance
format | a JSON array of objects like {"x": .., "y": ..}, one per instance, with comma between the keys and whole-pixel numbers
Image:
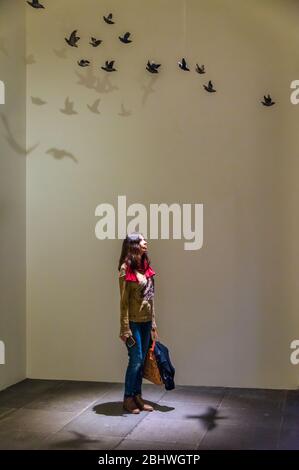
[
  {"x": 130, "y": 405},
  {"x": 141, "y": 404}
]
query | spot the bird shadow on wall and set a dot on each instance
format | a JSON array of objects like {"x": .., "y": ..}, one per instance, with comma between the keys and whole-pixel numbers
[
  {"x": 20, "y": 150},
  {"x": 124, "y": 112},
  {"x": 59, "y": 154},
  {"x": 69, "y": 108},
  {"x": 148, "y": 89},
  {"x": 104, "y": 85},
  {"x": 94, "y": 108},
  {"x": 38, "y": 101},
  {"x": 89, "y": 80}
]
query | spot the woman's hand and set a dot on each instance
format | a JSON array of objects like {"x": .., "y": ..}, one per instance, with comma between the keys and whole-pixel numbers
[{"x": 125, "y": 337}]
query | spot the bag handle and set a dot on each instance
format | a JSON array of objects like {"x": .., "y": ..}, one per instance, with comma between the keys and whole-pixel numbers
[
  {"x": 156, "y": 330},
  {"x": 153, "y": 344}
]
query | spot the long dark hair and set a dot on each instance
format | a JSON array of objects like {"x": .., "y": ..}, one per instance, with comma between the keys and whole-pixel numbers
[{"x": 130, "y": 253}]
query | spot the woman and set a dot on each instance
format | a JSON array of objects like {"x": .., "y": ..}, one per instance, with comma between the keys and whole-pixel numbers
[{"x": 137, "y": 315}]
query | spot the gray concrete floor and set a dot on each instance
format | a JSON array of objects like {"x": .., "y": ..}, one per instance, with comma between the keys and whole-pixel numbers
[{"x": 49, "y": 414}]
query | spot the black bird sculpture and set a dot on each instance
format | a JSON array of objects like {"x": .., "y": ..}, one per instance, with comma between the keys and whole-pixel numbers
[
  {"x": 152, "y": 67},
  {"x": 95, "y": 42},
  {"x": 125, "y": 38},
  {"x": 35, "y": 4},
  {"x": 83, "y": 63},
  {"x": 200, "y": 69},
  {"x": 108, "y": 19},
  {"x": 73, "y": 39},
  {"x": 210, "y": 88},
  {"x": 268, "y": 101},
  {"x": 109, "y": 66},
  {"x": 183, "y": 65}
]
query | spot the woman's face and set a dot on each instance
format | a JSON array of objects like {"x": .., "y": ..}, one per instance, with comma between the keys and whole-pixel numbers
[{"x": 143, "y": 245}]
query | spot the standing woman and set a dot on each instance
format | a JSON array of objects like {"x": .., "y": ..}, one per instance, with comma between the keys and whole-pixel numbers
[{"x": 137, "y": 315}]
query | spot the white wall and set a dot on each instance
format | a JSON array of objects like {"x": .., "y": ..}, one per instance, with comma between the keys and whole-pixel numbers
[
  {"x": 228, "y": 312},
  {"x": 12, "y": 192}
]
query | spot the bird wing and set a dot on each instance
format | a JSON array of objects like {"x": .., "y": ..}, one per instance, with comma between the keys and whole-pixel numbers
[
  {"x": 111, "y": 63},
  {"x": 183, "y": 62},
  {"x": 127, "y": 35},
  {"x": 73, "y": 35}
]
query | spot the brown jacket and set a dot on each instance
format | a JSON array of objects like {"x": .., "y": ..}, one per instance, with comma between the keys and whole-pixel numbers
[{"x": 132, "y": 306}]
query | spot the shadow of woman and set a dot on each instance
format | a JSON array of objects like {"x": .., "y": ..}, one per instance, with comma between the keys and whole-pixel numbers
[{"x": 115, "y": 408}]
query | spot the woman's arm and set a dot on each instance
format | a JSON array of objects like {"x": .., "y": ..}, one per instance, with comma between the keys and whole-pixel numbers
[
  {"x": 124, "y": 304},
  {"x": 152, "y": 301}
]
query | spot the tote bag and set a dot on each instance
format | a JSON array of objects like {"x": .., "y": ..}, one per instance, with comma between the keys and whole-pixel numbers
[{"x": 150, "y": 370}]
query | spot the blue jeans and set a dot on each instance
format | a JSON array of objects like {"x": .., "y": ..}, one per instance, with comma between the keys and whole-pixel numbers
[{"x": 137, "y": 354}]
